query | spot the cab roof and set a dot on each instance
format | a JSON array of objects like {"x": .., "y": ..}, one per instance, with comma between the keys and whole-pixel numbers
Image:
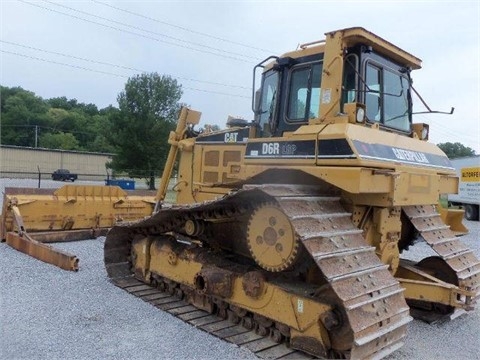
[{"x": 354, "y": 36}]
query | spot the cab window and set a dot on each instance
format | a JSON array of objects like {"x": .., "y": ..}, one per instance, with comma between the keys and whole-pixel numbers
[
  {"x": 386, "y": 97},
  {"x": 396, "y": 101},
  {"x": 372, "y": 96},
  {"x": 304, "y": 93},
  {"x": 268, "y": 103},
  {"x": 350, "y": 79}
]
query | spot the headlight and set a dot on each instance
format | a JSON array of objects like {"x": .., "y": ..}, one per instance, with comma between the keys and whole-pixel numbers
[
  {"x": 360, "y": 114},
  {"x": 424, "y": 133}
]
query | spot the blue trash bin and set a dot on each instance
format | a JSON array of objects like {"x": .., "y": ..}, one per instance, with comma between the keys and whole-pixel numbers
[{"x": 122, "y": 183}]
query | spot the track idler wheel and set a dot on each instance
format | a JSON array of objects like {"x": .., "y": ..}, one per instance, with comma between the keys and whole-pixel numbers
[
  {"x": 440, "y": 269},
  {"x": 271, "y": 240},
  {"x": 437, "y": 267}
]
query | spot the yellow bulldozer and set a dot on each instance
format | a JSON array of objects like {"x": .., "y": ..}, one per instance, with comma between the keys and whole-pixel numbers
[
  {"x": 290, "y": 228},
  {"x": 292, "y": 225}
]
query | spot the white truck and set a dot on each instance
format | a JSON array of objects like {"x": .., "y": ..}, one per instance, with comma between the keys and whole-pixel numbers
[{"x": 468, "y": 197}]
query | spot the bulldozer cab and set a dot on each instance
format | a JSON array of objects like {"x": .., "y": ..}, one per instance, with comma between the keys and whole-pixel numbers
[{"x": 310, "y": 86}]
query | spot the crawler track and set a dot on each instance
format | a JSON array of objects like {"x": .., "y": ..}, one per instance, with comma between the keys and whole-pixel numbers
[
  {"x": 261, "y": 346},
  {"x": 462, "y": 262},
  {"x": 369, "y": 298}
]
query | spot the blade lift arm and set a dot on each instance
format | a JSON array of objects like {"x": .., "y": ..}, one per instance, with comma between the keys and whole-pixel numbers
[{"x": 187, "y": 119}]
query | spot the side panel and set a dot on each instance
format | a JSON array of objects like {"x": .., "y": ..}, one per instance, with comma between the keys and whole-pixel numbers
[{"x": 212, "y": 166}]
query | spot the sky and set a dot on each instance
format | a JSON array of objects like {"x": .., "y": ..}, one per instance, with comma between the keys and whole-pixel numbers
[{"x": 88, "y": 49}]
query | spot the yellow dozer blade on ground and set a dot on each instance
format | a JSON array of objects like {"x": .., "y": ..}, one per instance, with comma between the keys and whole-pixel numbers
[{"x": 32, "y": 217}]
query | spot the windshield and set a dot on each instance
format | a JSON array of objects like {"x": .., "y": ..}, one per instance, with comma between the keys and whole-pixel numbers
[
  {"x": 268, "y": 102},
  {"x": 386, "y": 97},
  {"x": 396, "y": 102}
]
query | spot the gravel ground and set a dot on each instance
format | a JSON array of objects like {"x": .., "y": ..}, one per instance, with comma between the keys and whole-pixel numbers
[{"x": 48, "y": 313}]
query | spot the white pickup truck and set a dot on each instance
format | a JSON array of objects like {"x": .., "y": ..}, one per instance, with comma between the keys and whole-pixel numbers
[{"x": 468, "y": 197}]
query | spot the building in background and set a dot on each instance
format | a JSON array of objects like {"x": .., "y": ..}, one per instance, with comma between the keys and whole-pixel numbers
[{"x": 26, "y": 162}]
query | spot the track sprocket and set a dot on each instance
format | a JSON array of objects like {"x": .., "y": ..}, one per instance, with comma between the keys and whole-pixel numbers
[{"x": 271, "y": 240}]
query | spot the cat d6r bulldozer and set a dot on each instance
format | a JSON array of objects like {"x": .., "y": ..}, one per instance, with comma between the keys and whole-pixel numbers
[{"x": 292, "y": 225}]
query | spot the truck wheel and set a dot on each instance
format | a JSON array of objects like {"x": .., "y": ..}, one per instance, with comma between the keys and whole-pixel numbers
[{"x": 471, "y": 212}]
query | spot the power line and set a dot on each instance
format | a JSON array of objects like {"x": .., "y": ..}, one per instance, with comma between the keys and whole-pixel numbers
[
  {"x": 116, "y": 65},
  {"x": 216, "y": 92},
  {"x": 113, "y": 74},
  {"x": 148, "y": 31},
  {"x": 63, "y": 64},
  {"x": 135, "y": 33},
  {"x": 444, "y": 134},
  {"x": 445, "y": 130},
  {"x": 453, "y": 138},
  {"x": 449, "y": 132},
  {"x": 183, "y": 28}
]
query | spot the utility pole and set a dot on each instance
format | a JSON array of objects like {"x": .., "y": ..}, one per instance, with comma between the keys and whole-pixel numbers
[{"x": 36, "y": 135}]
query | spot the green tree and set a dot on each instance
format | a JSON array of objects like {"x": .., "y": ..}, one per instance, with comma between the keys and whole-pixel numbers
[
  {"x": 22, "y": 113},
  {"x": 26, "y": 119},
  {"x": 64, "y": 141},
  {"x": 64, "y": 103},
  {"x": 456, "y": 150},
  {"x": 139, "y": 131}
]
